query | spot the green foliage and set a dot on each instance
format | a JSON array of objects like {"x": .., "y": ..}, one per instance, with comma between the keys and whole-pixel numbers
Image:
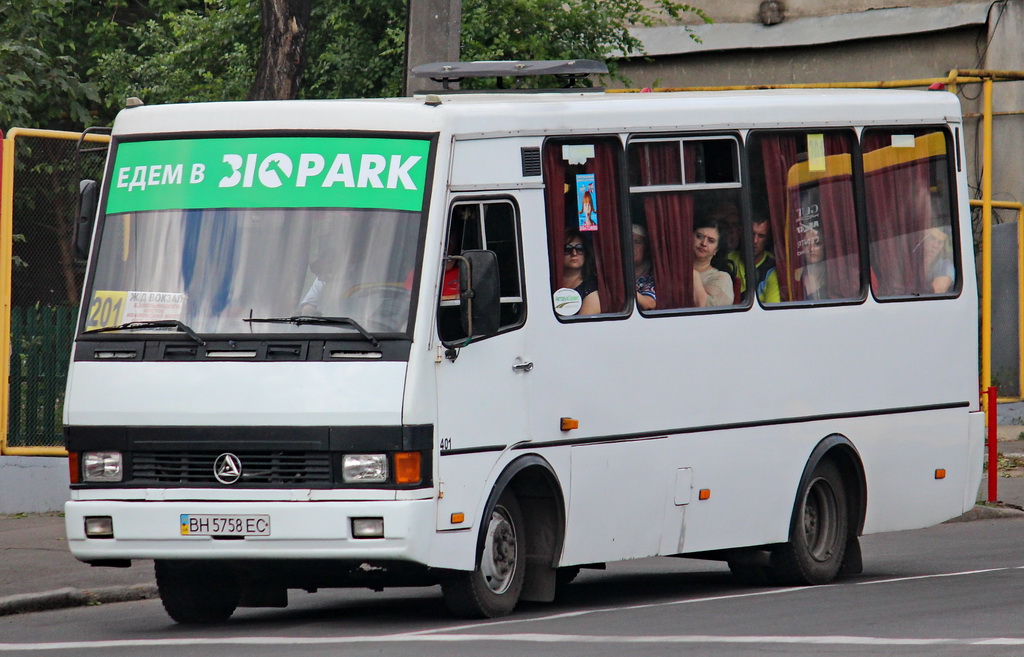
[
  {"x": 560, "y": 29},
  {"x": 71, "y": 63},
  {"x": 355, "y": 50},
  {"x": 38, "y": 59},
  {"x": 190, "y": 55}
]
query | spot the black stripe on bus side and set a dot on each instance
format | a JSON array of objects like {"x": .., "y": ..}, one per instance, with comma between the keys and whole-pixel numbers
[
  {"x": 474, "y": 450},
  {"x": 650, "y": 435}
]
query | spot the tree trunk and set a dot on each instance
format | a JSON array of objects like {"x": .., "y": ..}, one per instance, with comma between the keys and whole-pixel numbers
[{"x": 283, "y": 53}]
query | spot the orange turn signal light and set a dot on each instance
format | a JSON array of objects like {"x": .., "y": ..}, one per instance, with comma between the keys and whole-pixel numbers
[
  {"x": 407, "y": 468},
  {"x": 458, "y": 518},
  {"x": 704, "y": 494},
  {"x": 73, "y": 467},
  {"x": 568, "y": 424},
  {"x": 940, "y": 473}
]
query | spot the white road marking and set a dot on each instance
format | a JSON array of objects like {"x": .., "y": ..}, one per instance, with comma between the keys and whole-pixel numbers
[
  {"x": 513, "y": 638},
  {"x": 449, "y": 634}
]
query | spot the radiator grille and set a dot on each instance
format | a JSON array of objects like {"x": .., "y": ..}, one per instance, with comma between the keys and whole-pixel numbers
[{"x": 266, "y": 468}]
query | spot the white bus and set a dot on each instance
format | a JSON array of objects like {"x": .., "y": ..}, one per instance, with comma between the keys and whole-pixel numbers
[{"x": 484, "y": 340}]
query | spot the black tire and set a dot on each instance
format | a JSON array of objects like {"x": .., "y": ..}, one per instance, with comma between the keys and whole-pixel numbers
[
  {"x": 492, "y": 589},
  {"x": 196, "y": 592},
  {"x": 817, "y": 540}
]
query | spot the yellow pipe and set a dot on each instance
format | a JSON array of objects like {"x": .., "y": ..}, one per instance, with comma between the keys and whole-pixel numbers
[
  {"x": 875, "y": 84},
  {"x": 36, "y": 451},
  {"x": 6, "y": 232},
  {"x": 1001, "y": 76},
  {"x": 951, "y": 80},
  {"x": 14, "y": 133},
  {"x": 1019, "y": 207},
  {"x": 986, "y": 242}
]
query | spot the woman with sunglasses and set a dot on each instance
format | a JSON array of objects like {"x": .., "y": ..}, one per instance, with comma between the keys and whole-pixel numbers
[{"x": 578, "y": 273}]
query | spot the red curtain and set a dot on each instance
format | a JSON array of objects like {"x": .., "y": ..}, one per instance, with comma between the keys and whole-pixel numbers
[
  {"x": 896, "y": 221},
  {"x": 606, "y": 242},
  {"x": 669, "y": 225},
  {"x": 778, "y": 154},
  {"x": 554, "y": 201}
]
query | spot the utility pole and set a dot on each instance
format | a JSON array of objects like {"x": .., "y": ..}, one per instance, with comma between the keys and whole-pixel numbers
[{"x": 432, "y": 34}]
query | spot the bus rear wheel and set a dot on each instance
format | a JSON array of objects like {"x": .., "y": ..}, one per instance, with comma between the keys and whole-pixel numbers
[
  {"x": 492, "y": 589},
  {"x": 817, "y": 542},
  {"x": 195, "y": 592}
]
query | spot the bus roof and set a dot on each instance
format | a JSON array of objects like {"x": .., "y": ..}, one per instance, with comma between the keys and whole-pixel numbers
[{"x": 491, "y": 114}]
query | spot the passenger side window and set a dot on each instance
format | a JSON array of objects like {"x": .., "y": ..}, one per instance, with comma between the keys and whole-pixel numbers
[
  {"x": 909, "y": 211},
  {"x": 803, "y": 183},
  {"x": 492, "y": 225},
  {"x": 685, "y": 208},
  {"x": 585, "y": 231}
]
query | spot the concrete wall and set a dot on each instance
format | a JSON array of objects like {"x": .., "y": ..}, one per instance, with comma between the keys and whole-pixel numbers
[
  {"x": 1005, "y": 305},
  {"x": 739, "y": 11},
  {"x": 913, "y": 56},
  {"x": 33, "y": 484}
]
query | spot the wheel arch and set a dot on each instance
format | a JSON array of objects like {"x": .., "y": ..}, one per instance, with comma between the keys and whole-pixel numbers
[
  {"x": 842, "y": 452},
  {"x": 537, "y": 488}
]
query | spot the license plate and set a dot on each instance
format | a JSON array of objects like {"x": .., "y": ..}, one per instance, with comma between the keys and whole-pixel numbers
[{"x": 213, "y": 525}]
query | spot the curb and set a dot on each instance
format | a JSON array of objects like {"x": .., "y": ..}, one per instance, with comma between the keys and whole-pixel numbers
[
  {"x": 72, "y": 597},
  {"x": 990, "y": 512}
]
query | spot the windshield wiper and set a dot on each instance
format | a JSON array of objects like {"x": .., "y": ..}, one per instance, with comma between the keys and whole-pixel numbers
[
  {"x": 299, "y": 320},
  {"x": 163, "y": 323}
]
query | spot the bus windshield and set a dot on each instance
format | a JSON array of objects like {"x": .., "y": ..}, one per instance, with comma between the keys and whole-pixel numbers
[
  {"x": 223, "y": 235},
  {"x": 215, "y": 269}
]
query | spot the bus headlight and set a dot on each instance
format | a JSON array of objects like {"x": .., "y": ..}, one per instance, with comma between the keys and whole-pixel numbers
[
  {"x": 102, "y": 466},
  {"x": 364, "y": 468}
]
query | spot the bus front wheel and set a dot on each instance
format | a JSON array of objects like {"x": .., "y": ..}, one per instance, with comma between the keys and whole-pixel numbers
[
  {"x": 492, "y": 589},
  {"x": 818, "y": 537}
]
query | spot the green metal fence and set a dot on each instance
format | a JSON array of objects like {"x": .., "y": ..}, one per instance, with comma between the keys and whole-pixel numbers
[{"x": 40, "y": 349}]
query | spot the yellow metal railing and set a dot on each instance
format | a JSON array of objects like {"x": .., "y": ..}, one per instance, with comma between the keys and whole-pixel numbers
[
  {"x": 6, "y": 241},
  {"x": 986, "y": 302}
]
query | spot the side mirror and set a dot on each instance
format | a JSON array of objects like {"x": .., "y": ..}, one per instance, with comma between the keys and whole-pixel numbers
[
  {"x": 479, "y": 292},
  {"x": 88, "y": 193}
]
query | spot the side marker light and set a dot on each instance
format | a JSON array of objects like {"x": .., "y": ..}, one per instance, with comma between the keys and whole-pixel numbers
[
  {"x": 704, "y": 494},
  {"x": 458, "y": 518},
  {"x": 940, "y": 473},
  {"x": 568, "y": 424}
]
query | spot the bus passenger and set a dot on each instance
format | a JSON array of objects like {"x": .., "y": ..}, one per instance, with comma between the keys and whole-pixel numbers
[
  {"x": 578, "y": 273},
  {"x": 711, "y": 286},
  {"x": 938, "y": 261},
  {"x": 764, "y": 260},
  {"x": 812, "y": 276},
  {"x": 727, "y": 214},
  {"x": 645, "y": 295}
]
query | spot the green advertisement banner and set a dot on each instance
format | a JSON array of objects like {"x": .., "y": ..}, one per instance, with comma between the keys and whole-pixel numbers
[{"x": 269, "y": 172}]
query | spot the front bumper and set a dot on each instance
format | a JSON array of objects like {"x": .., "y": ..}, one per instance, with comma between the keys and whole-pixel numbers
[{"x": 298, "y": 530}]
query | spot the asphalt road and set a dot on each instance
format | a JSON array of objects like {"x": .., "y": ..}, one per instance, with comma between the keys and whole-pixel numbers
[{"x": 956, "y": 589}]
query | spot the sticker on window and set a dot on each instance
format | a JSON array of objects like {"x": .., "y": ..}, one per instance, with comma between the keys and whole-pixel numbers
[
  {"x": 567, "y": 301},
  {"x": 586, "y": 201},
  {"x": 114, "y": 307}
]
